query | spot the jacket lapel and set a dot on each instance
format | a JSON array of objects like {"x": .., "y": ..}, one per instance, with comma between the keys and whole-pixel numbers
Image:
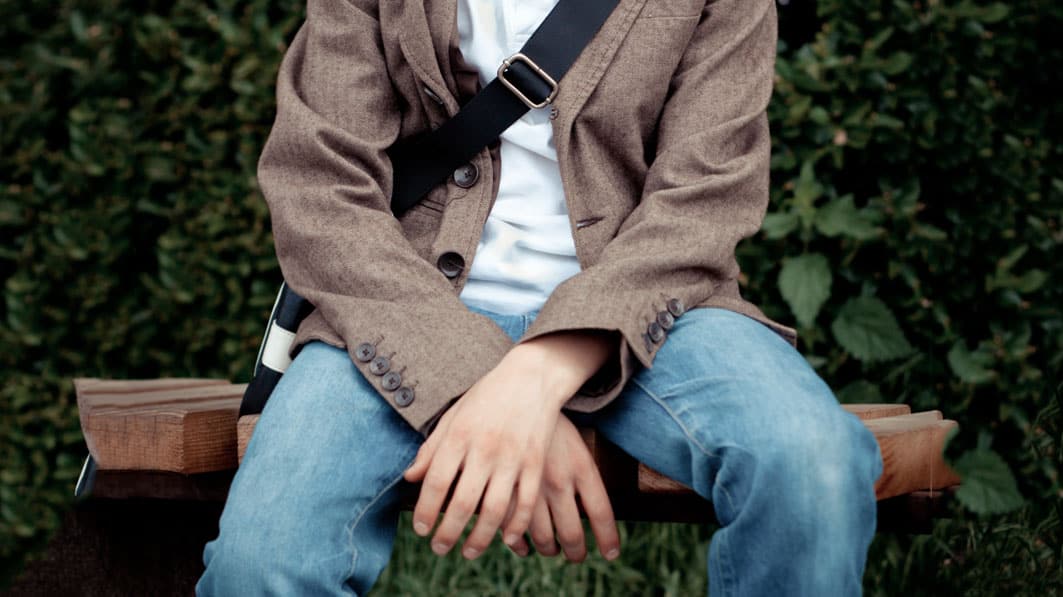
[
  {"x": 429, "y": 39},
  {"x": 419, "y": 37},
  {"x": 583, "y": 76}
]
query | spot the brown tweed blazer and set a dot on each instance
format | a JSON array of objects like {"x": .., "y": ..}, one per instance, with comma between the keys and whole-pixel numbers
[{"x": 663, "y": 146}]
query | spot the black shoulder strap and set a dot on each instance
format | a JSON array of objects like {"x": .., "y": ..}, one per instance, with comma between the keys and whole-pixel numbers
[{"x": 525, "y": 80}]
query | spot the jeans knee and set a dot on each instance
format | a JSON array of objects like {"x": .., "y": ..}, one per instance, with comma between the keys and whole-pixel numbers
[{"x": 824, "y": 466}]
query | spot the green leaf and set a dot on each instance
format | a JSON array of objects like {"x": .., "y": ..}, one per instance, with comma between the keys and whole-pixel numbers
[
  {"x": 1030, "y": 281},
  {"x": 988, "y": 486},
  {"x": 841, "y": 217},
  {"x": 897, "y": 63},
  {"x": 995, "y": 12},
  {"x": 778, "y": 225},
  {"x": 807, "y": 188},
  {"x": 867, "y": 329},
  {"x": 804, "y": 282},
  {"x": 971, "y": 367}
]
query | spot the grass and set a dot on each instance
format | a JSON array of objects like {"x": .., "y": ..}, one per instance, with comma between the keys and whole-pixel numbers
[
  {"x": 1015, "y": 554},
  {"x": 655, "y": 559}
]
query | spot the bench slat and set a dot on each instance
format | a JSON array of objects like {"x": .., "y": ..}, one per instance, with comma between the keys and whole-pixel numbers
[
  {"x": 179, "y": 425},
  {"x": 190, "y": 426}
]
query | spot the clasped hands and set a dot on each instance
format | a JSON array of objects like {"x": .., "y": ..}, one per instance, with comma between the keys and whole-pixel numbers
[{"x": 518, "y": 453}]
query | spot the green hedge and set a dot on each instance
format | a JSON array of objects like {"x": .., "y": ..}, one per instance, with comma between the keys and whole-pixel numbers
[{"x": 914, "y": 238}]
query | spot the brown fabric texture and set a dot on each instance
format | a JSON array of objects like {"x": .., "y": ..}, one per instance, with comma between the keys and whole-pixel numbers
[{"x": 663, "y": 147}]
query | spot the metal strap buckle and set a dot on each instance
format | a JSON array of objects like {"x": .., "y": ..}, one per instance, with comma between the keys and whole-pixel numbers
[{"x": 518, "y": 57}]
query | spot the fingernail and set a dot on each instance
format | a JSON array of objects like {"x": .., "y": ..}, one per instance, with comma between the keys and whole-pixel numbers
[
  {"x": 470, "y": 552},
  {"x": 439, "y": 548},
  {"x": 510, "y": 539},
  {"x": 612, "y": 554},
  {"x": 420, "y": 528}
]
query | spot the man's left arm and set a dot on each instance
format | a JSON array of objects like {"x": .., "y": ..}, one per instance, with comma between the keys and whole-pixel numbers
[{"x": 706, "y": 190}]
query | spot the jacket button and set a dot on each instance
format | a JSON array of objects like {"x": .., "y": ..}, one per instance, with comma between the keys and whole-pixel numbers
[
  {"x": 451, "y": 264},
  {"x": 364, "y": 352},
  {"x": 404, "y": 396},
  {"x": 392, "y": 380},
  {"x": 553, "y": 112},
  {"x": 676, "y": 307},
  {"x": 649, "y": 345},
  {"x": 380, "y": 365},
  {"x": 665, "y": 319},
  {"x": 655, "y": 331},
  {"x": 466, "y": 176}
]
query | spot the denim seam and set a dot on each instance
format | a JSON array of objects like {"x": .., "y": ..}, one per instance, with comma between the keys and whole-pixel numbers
[
  {"x": 687, "y": 434},
  {"x": 725, "y": 560},
  {"x": 727, "y": 569},
  {"x": 358, "y": 519}
]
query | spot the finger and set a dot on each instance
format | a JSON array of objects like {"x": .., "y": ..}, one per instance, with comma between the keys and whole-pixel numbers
[
  {"x": 520, "y": 546},
  {"x": 567, "y": 524},
  {"x": 527, "y": 493},
  {"x": 541, "y": 528},
  {"x": 419, "y": 467},
  {"x": 599, "y": 511},
  {"x": 462, "y": 505},
  {"x": 493, "y": 510},
  {"x": 437, "y": 482}
]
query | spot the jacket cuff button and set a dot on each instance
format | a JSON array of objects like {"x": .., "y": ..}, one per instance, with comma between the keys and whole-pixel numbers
[
  {"x": 380, "y": 365},
  {"x": 655, "y": 331},
  {"x": 665, "y": 320},
  {"x": 392, "y": 380},
  {"x": 676, "y": 307},
  {"x": 365, "y": 352},
  {"x": 404, "y": 396},
  {"x": 649, "y": 344}
]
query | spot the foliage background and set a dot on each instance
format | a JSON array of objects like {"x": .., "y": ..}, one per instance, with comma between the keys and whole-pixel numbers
[{"x": 914, "y": 238}]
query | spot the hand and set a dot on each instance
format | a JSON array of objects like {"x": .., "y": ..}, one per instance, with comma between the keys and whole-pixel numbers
[
  {"x": 497, "y": 434},
  {"x": 569, "y": 469}
]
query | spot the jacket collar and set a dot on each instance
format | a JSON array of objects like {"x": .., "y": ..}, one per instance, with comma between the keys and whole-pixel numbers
[{"x": 429, "y": 40}]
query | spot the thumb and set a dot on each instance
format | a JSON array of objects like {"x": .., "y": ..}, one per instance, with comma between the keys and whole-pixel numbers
[{"x": 419, "y": 467}]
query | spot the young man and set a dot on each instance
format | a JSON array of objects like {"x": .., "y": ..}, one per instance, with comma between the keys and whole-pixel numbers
[{"x": 582, "y": 270}]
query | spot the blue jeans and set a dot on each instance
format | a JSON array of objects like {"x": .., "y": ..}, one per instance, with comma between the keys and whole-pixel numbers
[{"x": 729, "y": 408}]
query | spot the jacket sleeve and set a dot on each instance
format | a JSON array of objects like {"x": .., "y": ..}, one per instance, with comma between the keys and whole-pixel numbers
[
  {"x": 327, "y": 182},
  {"x": 706, "y": 189}
]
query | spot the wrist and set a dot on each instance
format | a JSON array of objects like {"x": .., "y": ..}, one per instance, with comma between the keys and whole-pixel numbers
[{"x": 564, "y": 360}]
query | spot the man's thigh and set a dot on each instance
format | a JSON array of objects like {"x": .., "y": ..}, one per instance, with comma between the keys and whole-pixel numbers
[
  {"x": 325, "y": 449},
  {"x": 722, "y": 387}
]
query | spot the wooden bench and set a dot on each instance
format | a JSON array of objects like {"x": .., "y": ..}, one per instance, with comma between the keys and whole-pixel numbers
[
  {"x": 163, "y": 453},
  {"x": 180, "y": 439}
]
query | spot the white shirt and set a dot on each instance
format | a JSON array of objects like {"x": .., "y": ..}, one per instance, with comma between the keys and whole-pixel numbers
[{"x": 527, "y": 248}]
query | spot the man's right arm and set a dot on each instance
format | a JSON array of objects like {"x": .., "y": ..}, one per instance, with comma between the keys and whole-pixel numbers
[{"x": 327, "y": 181}]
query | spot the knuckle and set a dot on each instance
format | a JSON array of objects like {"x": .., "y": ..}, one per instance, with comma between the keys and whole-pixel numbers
[
  {"x": 437, "y": 485},
  {"x": 461, "y": 507},
  {"x": 492, "y": 513},
  {"x": 522, "y": 517},
  {"x": 555, "y": 484},
  {"x": 533, "y": 458}
]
